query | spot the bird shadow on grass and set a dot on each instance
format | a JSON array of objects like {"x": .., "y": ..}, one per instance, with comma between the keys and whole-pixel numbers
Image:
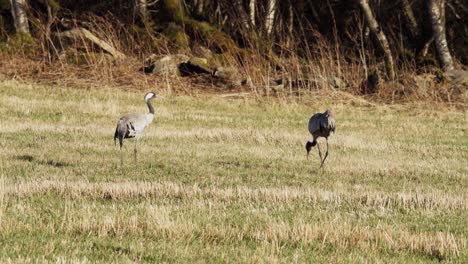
[{"x": 49, "y": 162}]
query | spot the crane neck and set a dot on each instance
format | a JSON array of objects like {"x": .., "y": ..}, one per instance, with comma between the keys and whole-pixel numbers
[{"x": 150, "y": 106}]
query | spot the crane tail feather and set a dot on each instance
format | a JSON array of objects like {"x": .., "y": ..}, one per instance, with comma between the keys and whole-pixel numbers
[{"x": 119, "y": 134}]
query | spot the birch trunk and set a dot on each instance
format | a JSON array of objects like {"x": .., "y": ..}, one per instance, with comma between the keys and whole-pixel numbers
[
  {"x": 270, "y": 16},
  {"x": 20, "y": 17},
  {"x": 252, "y": 5},
  {"x": 141, "y": 9},
  {"x": 410, "y": 19},
  {"x": 290, "y": 19},
  {"x": 290, "y": 26},
  {"x": 437, "y": 16},
  {"x": 382, "y": 39},
  {"x": 242, "y": 13},
  {"x": 199, "y": 4}
]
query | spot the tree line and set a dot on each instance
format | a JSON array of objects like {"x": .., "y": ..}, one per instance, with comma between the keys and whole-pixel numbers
[{"x": 393, "y": 33}]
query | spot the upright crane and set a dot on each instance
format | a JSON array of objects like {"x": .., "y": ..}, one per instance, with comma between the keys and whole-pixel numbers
[{"x": 132, "y": 125}]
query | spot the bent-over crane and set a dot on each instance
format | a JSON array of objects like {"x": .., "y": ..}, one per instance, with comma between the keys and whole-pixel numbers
[{"x": 320, "y": 125}]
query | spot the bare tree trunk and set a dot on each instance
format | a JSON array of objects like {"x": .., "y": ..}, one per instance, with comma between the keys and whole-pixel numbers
[
  {"x": 382, "y": 39},
  {"x": 290, "y": 25},
  {"x": 270, "y": 16},
  {"x": 437, "y": 15},
  {"x": 48, "y": 43},
  {"x": 199, "y": 6},
  {"x": 20, "y": 17},
  {"x": 245, "y": 21},
  {"x": 425, "y": 47},
  {"x": 410, "y": 19},
  {"x": 141, "y": 10},
  {"x": 252, "y": 5},
  {"x": 50, "y": 19}
]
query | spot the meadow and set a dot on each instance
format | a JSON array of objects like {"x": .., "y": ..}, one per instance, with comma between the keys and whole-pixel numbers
[{"x": 227, "y": 180}]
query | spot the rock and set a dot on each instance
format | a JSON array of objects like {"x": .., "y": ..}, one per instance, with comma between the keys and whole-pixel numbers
[
  {"x": 151, "y": 59},
  {"x": 74, "y": 56},
  {"x": 195, "y": 65},
  {"x": 457, "y": 78},
  {"x": 167, "y": 65},
  {"x": 229, "y": 75},
  {"x": 336, "y": 83},
  {"x": 458, "y": 83},
  {"x": 202, "y": 52},
  {"x": 372, "y": 84},
  {"x": 276, "y": 82},
  {"x": 248, "y": 82},
  {"x": 277, "y": 88},
  {"x": 422, "y": 84},
  {"x": 177, "y": 36}
]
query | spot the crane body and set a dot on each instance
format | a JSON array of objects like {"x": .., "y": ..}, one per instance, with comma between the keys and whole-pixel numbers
[
  {"x": 320, "y": 125},
  {"x": 133, "y": 125}
]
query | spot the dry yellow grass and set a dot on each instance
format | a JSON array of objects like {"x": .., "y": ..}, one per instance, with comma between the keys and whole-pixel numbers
[{"x": 224, "y": 180}]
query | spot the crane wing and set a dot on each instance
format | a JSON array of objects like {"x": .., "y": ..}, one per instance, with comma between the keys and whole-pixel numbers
[
  {"x": 321, "y": 122},
  {"x": 314, "y": 123},
  {"x": 134, "y": 123},
  {"x": 331, "y": 124}
]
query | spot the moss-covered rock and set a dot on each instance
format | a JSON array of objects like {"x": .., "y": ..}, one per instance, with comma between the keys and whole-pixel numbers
[
  {"x": 167, "y": 65},
  {"x": 182, "y": 29},
  {"x": 200, "y": 62},
  {"x": 221, "y": 59},
  {"x": 214, "y": 38},
  {"x": 202, "y": 52},
  {"x": 229, "y": 76},
  {"x": 336, "y": 83},
  {"x": 457, "y": 78},
  {"x": 54, "y": 5},
  {"x": 78, "y": 57},
  {"x": 177, "y": 36},
  {"x": 20, "y": 43},
  {"x": 195, "y": 65},
  {"x": 171, "y": 11}
]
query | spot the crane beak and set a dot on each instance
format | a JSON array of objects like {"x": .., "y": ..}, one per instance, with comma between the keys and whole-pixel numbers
[{"x": 307, "y": 155}]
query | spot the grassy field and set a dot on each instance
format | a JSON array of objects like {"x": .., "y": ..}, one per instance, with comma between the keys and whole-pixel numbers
[{"x": 227, "y": 180}]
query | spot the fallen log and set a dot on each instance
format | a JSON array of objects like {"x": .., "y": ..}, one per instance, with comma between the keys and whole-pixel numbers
[{"x": 84, "y": 34}]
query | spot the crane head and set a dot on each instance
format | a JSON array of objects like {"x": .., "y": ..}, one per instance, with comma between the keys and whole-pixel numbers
[
  {"x": 309, "y": 146},
  {"x": 330, "y": 112},
  {"x": 150, "y": 95}
]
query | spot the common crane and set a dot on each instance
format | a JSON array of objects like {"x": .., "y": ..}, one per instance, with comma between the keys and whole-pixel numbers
[
  {"x": 132, "y": 125},
  {"x": 320, "y": 125}
]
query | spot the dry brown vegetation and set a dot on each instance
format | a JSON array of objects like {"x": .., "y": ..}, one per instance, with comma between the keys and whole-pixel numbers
[{"x": 338, "y": 57}]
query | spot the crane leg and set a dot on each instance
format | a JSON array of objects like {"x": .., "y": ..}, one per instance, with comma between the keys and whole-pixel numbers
[
  {"x": 320, "y": 152},
  {"x": 121, "y": 157},
  {"x": 326, "y": 155},
  {"x": 135, "y": 151}
]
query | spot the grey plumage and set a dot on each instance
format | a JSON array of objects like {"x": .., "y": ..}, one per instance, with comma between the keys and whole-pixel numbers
[
  {"x": 320, "y": 125},
  {"x": 132, "y": 125}
]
